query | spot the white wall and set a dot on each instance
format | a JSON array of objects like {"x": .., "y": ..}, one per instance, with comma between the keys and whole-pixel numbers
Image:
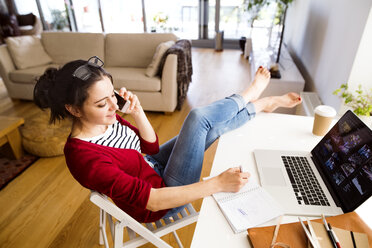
[
  {"x": 361, "y": 70},
  {"x": 325, "y": 36}
]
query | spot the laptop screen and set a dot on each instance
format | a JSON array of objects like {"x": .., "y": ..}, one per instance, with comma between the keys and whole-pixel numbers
[{"x": 345, "y": 157}]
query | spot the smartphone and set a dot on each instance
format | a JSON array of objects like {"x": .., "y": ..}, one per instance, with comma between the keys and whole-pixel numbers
[{"x": 122, "y": 103}]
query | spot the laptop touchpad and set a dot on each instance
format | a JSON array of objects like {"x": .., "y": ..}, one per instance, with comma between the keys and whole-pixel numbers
[{"x": 273, "y": 176}]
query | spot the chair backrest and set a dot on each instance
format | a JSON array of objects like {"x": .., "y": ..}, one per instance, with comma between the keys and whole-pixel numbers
[{"x": 149, "y": 234}]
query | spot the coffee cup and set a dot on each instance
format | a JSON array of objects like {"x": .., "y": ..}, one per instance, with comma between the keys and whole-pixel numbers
[{"x": 323, "y": 116}]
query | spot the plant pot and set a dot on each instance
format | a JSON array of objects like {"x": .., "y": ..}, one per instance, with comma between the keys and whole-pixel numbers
[{"x": 367, "y": 120}]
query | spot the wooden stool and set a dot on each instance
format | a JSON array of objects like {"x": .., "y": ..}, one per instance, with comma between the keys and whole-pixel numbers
[{"x": 9, "y": 133}]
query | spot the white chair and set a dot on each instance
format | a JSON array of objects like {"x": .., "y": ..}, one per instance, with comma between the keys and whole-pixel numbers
[{"x": 152, "y": 233}]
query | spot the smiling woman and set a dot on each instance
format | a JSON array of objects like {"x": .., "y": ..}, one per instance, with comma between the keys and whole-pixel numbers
[{"x": 104, "y": 151}]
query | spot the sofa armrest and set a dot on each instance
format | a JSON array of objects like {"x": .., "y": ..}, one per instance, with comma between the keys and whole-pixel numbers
[
  {"x": 169, "y": 81},
  {"x": 35, "y": 29},
  {"x": 6, "y": 64}
]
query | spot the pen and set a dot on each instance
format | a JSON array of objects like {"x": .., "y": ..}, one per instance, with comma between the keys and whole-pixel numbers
[
  {"x": 241, "y": 168},
  {"x": 308, "y": 234},
  {"x": 312, "y": 232},
  {"x": 333, "y": 241},
  {"x": 353, "y": 239},
  {"x": 334, "y": 236}
]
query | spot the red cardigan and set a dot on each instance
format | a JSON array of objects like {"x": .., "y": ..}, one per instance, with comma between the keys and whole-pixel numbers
[{"x": 121, "y": 174}]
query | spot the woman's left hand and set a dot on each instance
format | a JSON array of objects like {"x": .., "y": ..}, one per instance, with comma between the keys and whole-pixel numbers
[{"x": 135, "y": 105}]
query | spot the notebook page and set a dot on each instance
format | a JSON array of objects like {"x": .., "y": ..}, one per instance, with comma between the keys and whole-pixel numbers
[{"x": 248, "y": 208}]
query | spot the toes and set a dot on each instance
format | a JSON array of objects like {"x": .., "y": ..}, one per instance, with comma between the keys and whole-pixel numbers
[
  {"x": 294, "y": 96},
  {"x": 263, "y": 71},
  {"x": 267, "y": 73}
]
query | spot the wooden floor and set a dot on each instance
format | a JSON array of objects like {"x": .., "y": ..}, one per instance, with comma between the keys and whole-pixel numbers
[{"x": 46, "y": 207}]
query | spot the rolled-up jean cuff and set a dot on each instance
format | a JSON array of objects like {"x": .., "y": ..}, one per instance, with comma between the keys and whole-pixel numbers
[
  {"x": 239, "y": 100},
  {"x": 251, "y": 109}
]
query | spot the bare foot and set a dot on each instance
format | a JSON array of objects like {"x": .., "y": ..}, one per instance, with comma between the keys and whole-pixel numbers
[
  {"x": 258, "y": 85},
  {"x": 270, "y": 104}
]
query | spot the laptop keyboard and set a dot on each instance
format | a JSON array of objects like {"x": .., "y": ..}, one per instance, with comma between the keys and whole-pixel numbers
[{"x": 305, "y": 185}]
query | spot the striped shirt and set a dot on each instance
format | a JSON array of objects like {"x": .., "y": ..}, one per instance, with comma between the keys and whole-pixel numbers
[{"x": 118, "y": 136}]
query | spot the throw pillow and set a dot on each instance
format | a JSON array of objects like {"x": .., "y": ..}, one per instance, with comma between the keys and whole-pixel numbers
[
  {"x": 153, "y": 68},
  {"x": 25, "y": 20},
  {"x": 9, "y": 25},
  {"x": 27, "y": 51}
]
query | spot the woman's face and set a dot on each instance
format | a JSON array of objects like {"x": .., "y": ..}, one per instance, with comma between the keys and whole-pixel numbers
[{"x": 100, "y": 106}]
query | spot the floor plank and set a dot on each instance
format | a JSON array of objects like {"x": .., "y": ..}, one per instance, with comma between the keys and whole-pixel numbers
[{"x": 46, "y": 207}]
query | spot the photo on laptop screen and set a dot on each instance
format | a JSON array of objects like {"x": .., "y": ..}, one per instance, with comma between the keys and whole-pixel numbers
[{"x": 345, "y": 155}]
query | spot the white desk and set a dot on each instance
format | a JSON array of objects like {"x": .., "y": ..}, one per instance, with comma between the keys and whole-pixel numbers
[{"x": 266, "y": 131}]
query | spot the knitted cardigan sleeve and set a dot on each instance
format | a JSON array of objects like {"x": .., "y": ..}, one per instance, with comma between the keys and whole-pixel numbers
[{"x": 97, "y": 171}]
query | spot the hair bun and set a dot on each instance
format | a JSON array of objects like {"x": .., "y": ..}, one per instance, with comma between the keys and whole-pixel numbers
[
  {"x": 51, "y": 74},
  {"x": 43, "y": 87}
]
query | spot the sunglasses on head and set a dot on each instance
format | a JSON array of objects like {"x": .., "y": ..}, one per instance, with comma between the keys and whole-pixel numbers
[{"x": 84, "y": 72}]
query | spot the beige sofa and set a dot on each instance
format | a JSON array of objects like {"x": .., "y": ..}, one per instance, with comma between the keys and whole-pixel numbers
[{"x": 126, "y": 57}]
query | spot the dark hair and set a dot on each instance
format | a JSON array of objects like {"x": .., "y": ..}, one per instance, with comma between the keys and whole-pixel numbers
[{"x": 58, "y": 87}]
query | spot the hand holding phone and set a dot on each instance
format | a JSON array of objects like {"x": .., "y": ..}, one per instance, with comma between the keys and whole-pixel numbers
[{"x": 122, "y": 103}]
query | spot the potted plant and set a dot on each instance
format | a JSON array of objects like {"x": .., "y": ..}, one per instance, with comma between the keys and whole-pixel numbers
[
  {"x": 359, "y": 101},
  {"x": 59, "y": 19},
  {"x": 160, "y": 20}
]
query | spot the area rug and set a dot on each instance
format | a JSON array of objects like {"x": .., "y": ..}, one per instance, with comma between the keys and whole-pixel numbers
[{"x": 11, "y": 168}]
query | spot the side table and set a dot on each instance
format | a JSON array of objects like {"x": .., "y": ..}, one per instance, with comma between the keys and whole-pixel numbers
[{"x": 9, "y": 133}]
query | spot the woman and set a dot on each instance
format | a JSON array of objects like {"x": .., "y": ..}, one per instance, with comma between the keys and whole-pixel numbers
[{"x": 103, "y": 151}]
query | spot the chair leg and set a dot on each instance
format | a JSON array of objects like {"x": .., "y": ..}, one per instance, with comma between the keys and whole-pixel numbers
[
  {"x": 177, "y": 239},
  {"x": 101, "y": 224},
  {"x": 102, "y": 229},
  {"x": 118, "y": 236}
]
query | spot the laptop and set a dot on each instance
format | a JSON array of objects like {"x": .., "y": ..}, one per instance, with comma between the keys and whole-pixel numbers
[{"x": 334, "y": 178}]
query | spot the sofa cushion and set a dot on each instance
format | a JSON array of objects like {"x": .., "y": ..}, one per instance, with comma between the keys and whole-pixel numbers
[
  {"x": 133, "y": 50},
  {"x": 64, "y": 47},
  {"x": 27, "y": 51},
  {"x": 133, "y": 79},
  {"x": 28, "y": 76},
  {"x": 153, "y": 68}
]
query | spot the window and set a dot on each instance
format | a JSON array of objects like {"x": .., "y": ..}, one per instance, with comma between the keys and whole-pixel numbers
[
  {"x": 233, "y": 19},
  {"x": 188, "y": 19},
  {"x": 26, "y": 6},
  {"x": 211, "y": 19},
  {"x": 87, "y": 16},
  {"x": 177, "y": 16},
  {"x": 55, "y": 14},
  {"x": 122, "y": 16}
]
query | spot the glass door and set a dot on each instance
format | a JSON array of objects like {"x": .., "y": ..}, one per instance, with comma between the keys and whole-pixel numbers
[
  {"x": 176, "y": 16},
  {"x": 122, "y": 16},
  {"x": 87, "y": 15},
  {"x": 233, "y": 19},
  {"x": 27, "y": 6},
  {"x": 55, "y": 14}
]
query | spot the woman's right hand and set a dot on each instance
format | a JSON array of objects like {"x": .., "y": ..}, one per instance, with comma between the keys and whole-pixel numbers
[
  {"x": 232, "y": 180},
  {"x": 135, "y": 105}
]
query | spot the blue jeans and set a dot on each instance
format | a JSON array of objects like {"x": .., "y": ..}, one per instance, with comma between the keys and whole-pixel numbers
[{"x": 180, "y": 160}]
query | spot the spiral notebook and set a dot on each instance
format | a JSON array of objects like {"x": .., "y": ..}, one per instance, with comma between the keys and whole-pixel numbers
[{"x": 250, "y": 207}]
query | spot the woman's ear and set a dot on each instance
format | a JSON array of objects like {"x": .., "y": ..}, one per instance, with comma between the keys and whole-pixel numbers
[{"x": 73, "y": 110}]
